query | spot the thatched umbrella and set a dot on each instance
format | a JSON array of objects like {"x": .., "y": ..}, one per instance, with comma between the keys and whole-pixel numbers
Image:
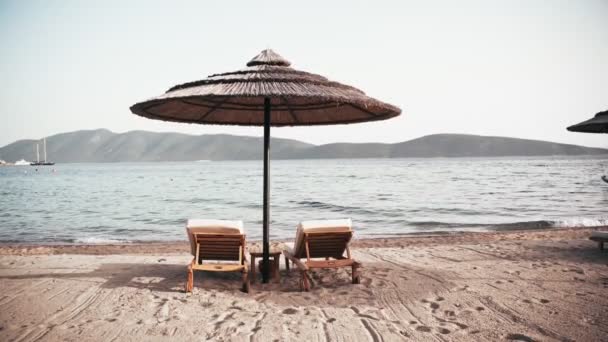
[
  {"x": 266, "y": 93},
  {"x": 597, "y": 124}
]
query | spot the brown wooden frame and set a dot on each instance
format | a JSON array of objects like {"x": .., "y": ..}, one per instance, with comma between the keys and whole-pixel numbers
[
  {"x": 600, "y": 241},
  {"x": 324, "y": 245},
  {"x": 224, "y": 247}
]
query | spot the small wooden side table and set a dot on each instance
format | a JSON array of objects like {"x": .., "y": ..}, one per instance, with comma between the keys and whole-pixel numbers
[{"x": 275, "y": 252}]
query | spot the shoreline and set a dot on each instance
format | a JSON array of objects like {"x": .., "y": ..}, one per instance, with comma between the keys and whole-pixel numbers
[{"x": 415, "y": 239}]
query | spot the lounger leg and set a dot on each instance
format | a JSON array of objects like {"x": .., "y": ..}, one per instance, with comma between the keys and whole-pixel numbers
[
  {"x": 190, "y": 282},
  {"x": 246, "y": 281},
  {"x": 355, "y": 274},
  {"x": 304, "y": 283},
  {"x": 276, "y": 260},
  {"x": 286, "y": 263},
  {"x": 252, "y": 269}
]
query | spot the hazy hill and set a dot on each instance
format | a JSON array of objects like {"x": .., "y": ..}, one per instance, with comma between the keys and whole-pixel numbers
[
  {"x": 104, "y": 146},
  {"x": 462, "y": 145}
]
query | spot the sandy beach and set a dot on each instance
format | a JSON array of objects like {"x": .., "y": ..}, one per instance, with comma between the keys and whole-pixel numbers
[{"x": 543, "y": 285}]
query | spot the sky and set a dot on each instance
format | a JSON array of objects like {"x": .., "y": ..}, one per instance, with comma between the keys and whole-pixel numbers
[{"x": 525, "y": 69}]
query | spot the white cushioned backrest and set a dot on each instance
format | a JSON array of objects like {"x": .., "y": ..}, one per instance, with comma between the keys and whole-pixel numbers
[
  {"x": 325, "y": 226},
  {"x": 211, "y": 227}
]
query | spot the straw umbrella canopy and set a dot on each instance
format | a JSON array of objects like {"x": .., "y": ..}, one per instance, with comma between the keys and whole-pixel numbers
[
  {"x": 265, "y": 93},
  {"x": 597, "y": 124}
]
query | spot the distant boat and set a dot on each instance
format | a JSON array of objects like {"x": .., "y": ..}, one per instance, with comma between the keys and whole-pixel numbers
[
  {"x": 21, "y": 162},
  {"x": 38, "y": 162}
]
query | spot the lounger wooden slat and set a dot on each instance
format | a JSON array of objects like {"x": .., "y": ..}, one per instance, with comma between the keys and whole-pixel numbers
[
  {"x": 329, "y": 263},
  {"x": 218, "y": 257}
]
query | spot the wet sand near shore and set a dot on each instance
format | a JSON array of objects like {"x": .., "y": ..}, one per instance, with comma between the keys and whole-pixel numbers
[{"x": 541, "y": 285}]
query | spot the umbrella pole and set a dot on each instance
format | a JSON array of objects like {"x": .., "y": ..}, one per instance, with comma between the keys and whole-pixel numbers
[{"x": 266, "y": 215}]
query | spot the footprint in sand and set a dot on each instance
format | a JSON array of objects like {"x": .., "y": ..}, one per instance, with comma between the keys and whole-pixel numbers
[
  {"x": 423, "y": 328},
  {"x": 366, "y": 281},
  {"x": 461, "y": 288},
  {"x": 480, "y": 308},
  {"x": 544, "y": 301},
  {"x": 290, "y": 311},
  {"x": 443, "y": 331},
  {"x": 519, "y": 337},
  {"x": 461, "y": 326}
]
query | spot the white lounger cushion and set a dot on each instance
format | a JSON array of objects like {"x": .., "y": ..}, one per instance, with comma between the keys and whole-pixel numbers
[
  {"x": 211, "y": 227},
  {"x": 322, "y": 224},
  {"x": 325, "y": 226},
  {"x": 599, "y": 234}
]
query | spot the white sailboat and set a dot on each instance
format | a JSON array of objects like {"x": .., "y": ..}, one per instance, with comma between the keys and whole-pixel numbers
[{"x": 38, "y": 162}]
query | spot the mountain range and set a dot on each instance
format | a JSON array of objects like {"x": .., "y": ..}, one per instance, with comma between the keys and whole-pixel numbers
[{"x": 102, "y": 145}]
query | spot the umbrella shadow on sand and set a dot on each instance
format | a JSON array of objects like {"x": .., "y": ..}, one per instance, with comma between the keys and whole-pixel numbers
[{"x": 154, "y": 277}]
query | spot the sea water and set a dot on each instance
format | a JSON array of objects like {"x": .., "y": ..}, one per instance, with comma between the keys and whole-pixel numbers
[{"x": 112, "y": 202}]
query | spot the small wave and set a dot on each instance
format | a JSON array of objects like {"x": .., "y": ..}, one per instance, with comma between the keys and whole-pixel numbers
[
  {"x": 98, "y": 240},
  {"x": 581, "y": 222},
  {"x": 160, "y": 222},
  {"x": 322, "y": 205},
  {"x": 337, "y": 208},
  {"x": 439, "y": 224},
  {"x": 522, "y": 225},
  {"x": 539, "y": 224}
]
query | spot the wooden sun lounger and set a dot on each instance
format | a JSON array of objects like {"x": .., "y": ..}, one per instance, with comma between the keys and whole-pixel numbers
[
  {"x": 216, "y": 247},
  {"x": 330, "y": 246}
]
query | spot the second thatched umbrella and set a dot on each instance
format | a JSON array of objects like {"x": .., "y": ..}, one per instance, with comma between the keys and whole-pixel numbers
[
  {"x": 266, "y": 93},
  {"x": 597, "y": 124}
]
